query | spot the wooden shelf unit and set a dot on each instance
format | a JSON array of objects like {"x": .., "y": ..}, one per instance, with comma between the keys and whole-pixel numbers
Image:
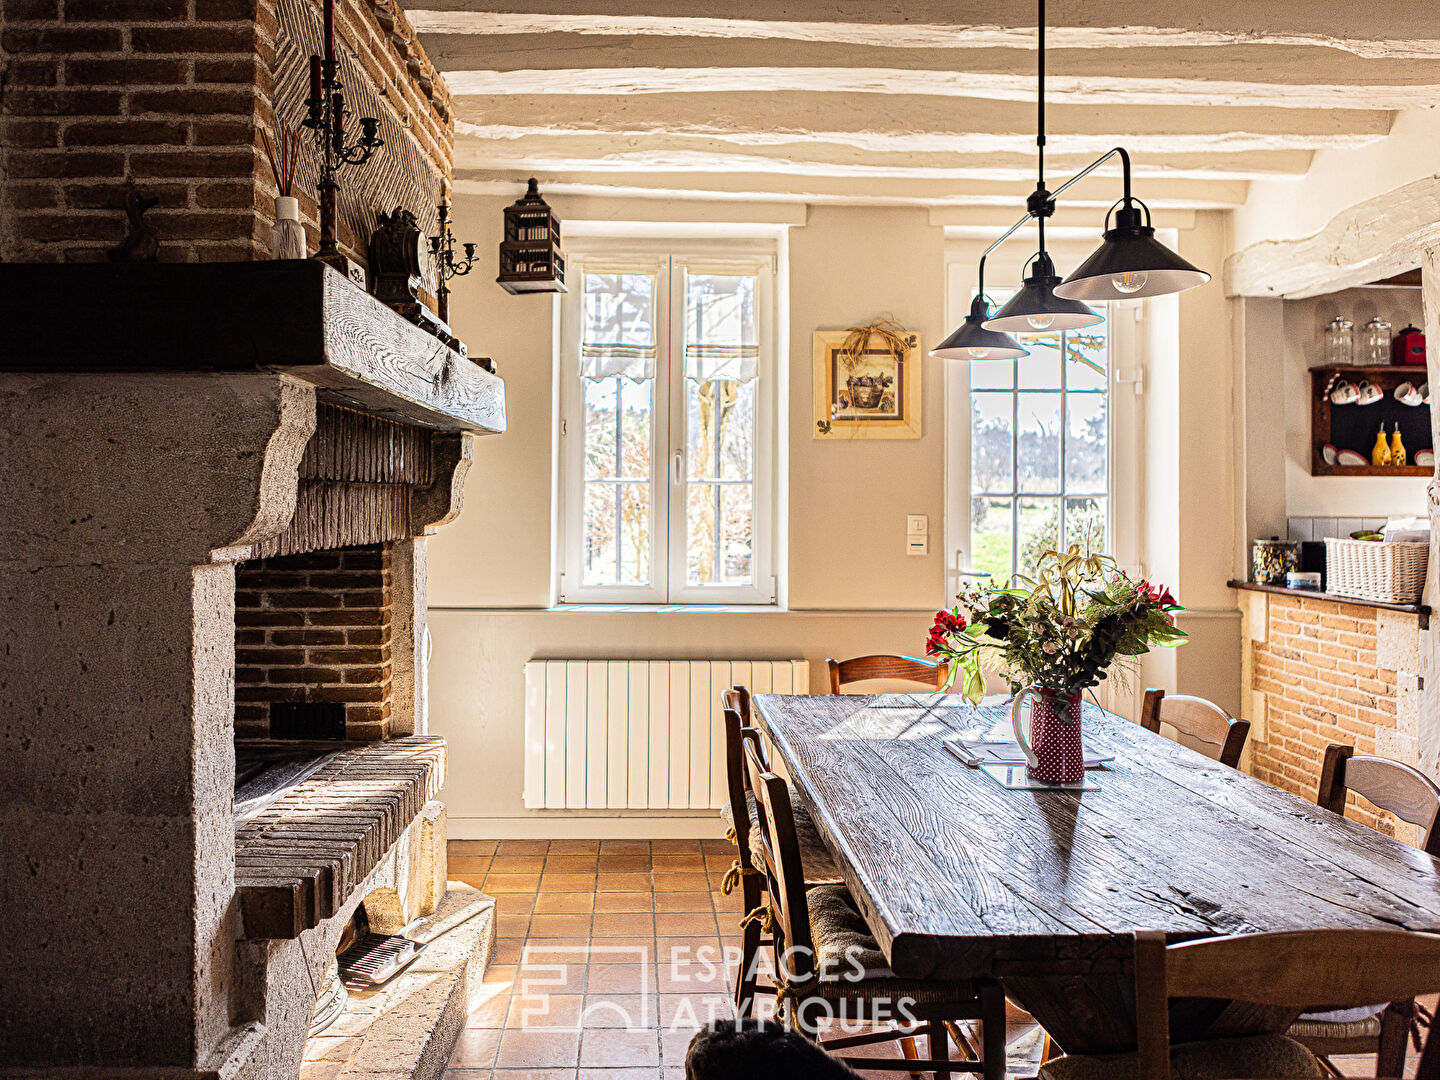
[{"x": 1330, "y": 423}]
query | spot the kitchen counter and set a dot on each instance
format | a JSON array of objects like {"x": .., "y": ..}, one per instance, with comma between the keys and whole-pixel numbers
[{"x": 1317, "y": 594}]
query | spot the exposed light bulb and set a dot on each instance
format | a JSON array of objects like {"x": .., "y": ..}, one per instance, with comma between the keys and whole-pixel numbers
[
  {"x": 1041, "y": 321},
  {"x": 1129, "y": 282},
  {"x": 976, "y": 354}
]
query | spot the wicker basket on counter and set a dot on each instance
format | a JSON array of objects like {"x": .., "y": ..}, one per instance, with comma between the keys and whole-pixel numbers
[{"x": 1369, "y": 570}]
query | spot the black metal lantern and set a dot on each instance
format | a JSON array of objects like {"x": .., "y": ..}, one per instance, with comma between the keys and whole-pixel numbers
[{"x": 530, "y": 258}]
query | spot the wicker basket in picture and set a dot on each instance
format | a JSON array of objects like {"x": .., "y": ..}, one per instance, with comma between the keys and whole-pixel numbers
[{"x": 1368, "y": 570}]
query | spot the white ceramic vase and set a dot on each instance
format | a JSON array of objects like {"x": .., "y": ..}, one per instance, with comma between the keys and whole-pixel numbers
[{"x": 287, "y": 235}]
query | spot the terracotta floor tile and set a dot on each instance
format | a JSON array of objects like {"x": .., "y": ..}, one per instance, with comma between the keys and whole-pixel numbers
[
  {"x": 610, "y": 924},
  {"x": 507, "y": 951},
  {"x": 625, "y": 847},
  {"x": 470, "y": 847},
  {"x": 690, "y": 1012},
  {"x": 468, "y": 864},
  {"x": 624, "y": 901},
  {"x": 680, "y": 882},
  {"x": 679, "y": 862},
  {"x": 515, "y": 903},
  {"x": 517, "y": 864},
  {"x": 628, "y": 864},
  {"x": 567, "y": 882},
  {"x": 511, "y": 883},
  {"x": 616, "y": 1047},
  {"x": 695, "y": 976},
  {"x": 522, "y": 847},
  {"x": 684, "y": 901},
  {"x": 623, "y": 883},
  {"x": 564, "y": 903},
  {"x": 620, "y": 1074},
  {"x": 669, "y": 947},
  {"x": 500, "y": 973},
  {"x": 570, "y": 863},
  {"x": 621, "y": 1011},
  {"x": 546, "y": 1011},
  {"x": 552, "y": 926},
  {"x": 522, "y": 1048},
  {"x": 511, "y": 926},
  {"x": 556, "y": 978},
  {"x": 476, "y": 880},
  {"x": 574, "y": 847},
  {"x": 716, "y": 843},
  {"x": 675, "y": 847},
  {"x": 490, "y": 1013},
  {"x": 673, "y": 1045},
  {"x": 529, "y": 1073},
  {"x": 475, "y": 1048},
  {"x": 624, "y": 950},
  {"x": 686, "y": 924},
  {"x": 621, "y": 979}
]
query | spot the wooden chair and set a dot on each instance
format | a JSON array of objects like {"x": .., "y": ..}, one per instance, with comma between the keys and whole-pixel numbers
[
  {"x": 902, "y": 668},
  {"x": 746, "y": 871},
  {"x": 1413, "y": 798},
  {"x": 1348, "y": 968},
  {"x": 828, "y": 964},
  {"x": 1199, "y": 724}
]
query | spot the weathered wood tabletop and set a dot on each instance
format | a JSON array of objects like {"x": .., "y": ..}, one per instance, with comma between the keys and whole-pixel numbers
[{"x": 1043, "y": 890}]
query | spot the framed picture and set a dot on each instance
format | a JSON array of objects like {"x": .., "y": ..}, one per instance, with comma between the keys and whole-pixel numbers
[{"x": 870, "y": 396}]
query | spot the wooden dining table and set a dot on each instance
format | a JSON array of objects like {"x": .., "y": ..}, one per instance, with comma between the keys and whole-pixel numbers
[{"x": 961, "y": 877}]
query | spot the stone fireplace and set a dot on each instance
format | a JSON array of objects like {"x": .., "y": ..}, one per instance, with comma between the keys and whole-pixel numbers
[{"x": 212, "y": 540}]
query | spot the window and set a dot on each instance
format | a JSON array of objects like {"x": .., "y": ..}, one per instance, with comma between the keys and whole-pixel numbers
[
  {"x": 667, "y": 427},
  {"x": 1040, "y": 451}
]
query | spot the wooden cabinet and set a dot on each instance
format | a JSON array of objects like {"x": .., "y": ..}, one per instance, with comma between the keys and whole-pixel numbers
[{"x": 1353, "y": 427}]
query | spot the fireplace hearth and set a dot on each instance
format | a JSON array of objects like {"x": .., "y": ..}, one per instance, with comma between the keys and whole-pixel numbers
[{"x": 212, "y": 559}]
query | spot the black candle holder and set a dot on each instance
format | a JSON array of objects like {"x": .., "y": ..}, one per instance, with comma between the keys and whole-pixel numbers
[
  {"x": 326, "y": 115},
  {"x": 442, "y": 249}
]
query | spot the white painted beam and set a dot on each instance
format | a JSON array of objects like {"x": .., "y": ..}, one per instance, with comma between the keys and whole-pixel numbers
[
  {"x": 479, "y": 148},
  {"x": 1077, "y": 222},
  {"x": 1392, "y": 28},
  {"x": 1096, "y": 191},
  {"x": 920, "y": 123},
  {"x": 1248, "y": 86},
  {"x": 1371, "y": 240}
]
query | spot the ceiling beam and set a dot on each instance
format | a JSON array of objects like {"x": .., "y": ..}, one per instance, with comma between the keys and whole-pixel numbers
[
  {"x": 1096, "y": 191},
  {"x": 1183, "y": 86},
  {"x": 1380, "y": 30},
  {"x": 479, "y": 147},
  {"x": 921, "y": 123}
]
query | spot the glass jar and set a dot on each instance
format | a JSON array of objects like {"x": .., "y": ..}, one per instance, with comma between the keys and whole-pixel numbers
[
  {"x": 1271, "y": 560},
  {"x": 1374, "y": 343},
  {"x": 1339, "y": 341}
]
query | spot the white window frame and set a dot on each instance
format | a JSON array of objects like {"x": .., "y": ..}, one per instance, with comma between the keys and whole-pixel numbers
[
  {"x": 669, "y": 261},
  {"x": 1128, "y": 359}
]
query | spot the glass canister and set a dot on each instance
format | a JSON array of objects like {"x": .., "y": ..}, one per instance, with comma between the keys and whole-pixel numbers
[
  {"x": 1271, "y": 560},
  {"x": 1374, "y": 343},
  {"x": 1339, "y": 341}
]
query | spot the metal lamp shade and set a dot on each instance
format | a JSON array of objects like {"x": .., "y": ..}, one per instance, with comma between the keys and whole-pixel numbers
[
  {"x": 971, "y": 334},
  {"x": 1130, "y": 264},
  {"x": 1037, "y": 299}
]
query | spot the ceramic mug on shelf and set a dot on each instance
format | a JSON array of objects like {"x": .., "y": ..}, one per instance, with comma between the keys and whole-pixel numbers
[
  {"x": 1053, "y": 751},
  {"x": 1367, "y": 393},
  {"x": 1344, "y": 392},
  {"x": 1409, "y": 394}
]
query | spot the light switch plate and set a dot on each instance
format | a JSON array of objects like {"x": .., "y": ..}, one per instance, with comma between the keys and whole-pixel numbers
[
  {"x": 917, "y": 523},
  {"x": 917, "y": 544}
]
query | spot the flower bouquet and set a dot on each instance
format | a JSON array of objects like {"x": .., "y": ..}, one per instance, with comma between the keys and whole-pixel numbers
[{"x": 1052, "y": 636}]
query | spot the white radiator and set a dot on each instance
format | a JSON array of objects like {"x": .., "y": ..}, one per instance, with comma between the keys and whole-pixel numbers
[{"x": 636, "y": 734}]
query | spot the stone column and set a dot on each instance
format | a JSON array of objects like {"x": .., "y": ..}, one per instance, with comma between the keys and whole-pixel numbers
[{"x": 121, "y": 495}]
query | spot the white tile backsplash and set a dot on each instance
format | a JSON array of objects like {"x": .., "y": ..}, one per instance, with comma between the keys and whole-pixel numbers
[
  {"x": 1316, "y": 528},
  {"x": 1298, "y": 529}
]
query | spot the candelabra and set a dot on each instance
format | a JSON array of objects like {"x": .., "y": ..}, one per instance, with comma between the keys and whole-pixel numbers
[
  {"x": 442, "y": 249},
  {"x": 326, "y": 116}
]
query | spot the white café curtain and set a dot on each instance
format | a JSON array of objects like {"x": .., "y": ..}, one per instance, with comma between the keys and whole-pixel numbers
[{"x": 618, "y": 336}]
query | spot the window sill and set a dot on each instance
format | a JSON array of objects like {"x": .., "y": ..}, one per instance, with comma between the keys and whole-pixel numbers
[{"x": 671, "y": 609}]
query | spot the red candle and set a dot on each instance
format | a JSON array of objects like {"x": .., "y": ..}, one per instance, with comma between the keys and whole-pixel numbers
[
  {"x": 314, "y": 77},
  {"x": 329, "y": 29}
]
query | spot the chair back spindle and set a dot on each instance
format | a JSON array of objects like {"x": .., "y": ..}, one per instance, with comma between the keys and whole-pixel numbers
[{"x": 1199, "y": 724}]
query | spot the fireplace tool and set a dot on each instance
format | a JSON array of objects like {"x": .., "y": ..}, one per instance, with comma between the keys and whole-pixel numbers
[
  {"x": 326, "y": 116},
  {"x": 375, "y": 959}
]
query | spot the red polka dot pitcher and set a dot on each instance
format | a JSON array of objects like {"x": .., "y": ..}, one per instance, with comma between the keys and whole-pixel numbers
[{"x": 1053, "y": 752}]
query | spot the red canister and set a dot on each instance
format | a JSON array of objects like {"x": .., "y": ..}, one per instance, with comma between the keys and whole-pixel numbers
[{"x": 1408, "y": 347}]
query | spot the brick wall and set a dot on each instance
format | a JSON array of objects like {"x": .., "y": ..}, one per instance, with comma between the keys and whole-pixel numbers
[
  {"x": 1319, "y": 670},
  {"x": 316, "y": 628},
  {"x": 172, "y": 95}
]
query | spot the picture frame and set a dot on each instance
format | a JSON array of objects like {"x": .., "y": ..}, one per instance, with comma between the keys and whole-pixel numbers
[{"x": 874, "y": 397}]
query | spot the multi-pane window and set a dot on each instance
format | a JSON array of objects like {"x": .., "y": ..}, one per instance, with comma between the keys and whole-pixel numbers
[
  {"x": 667, "y": 429},
  {"x": 1040, "y": 451}
]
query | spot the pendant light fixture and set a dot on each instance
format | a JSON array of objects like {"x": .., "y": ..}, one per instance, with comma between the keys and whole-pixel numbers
[
  {"x": 1130, "y": 263},
  {"x": 971, "y": 341}
]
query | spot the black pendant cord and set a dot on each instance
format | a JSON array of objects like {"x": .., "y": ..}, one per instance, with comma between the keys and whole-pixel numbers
[{"x": 1040, "y": 192}]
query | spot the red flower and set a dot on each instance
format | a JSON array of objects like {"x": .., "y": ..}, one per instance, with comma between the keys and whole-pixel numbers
[
  {"x": 1158, "y": 595},
  {"x": 946, "y": 623}
]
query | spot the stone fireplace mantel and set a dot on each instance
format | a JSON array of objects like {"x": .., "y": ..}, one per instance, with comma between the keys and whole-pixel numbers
[{"x": 158, "y": 424}]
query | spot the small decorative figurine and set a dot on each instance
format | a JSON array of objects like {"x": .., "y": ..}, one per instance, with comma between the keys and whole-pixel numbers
[{"x": 142, "y": 243}]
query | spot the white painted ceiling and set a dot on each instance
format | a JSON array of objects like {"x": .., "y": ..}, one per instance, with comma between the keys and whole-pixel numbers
[{"x": 919, "y": 102}]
